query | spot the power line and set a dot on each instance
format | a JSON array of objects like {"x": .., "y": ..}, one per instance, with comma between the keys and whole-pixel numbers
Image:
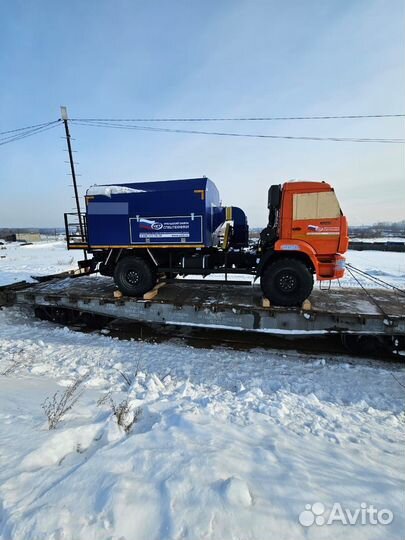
[
  {"x": 29, "y": 133},
  {"x": 211, "y": 119},
  {"x": 24, "y": 128},
  {"x": 232, "y": 134},
  {"x": 241, "y": 119},
  {"x": 26, "y": 132},
  {"x": 25, "y": 135}
]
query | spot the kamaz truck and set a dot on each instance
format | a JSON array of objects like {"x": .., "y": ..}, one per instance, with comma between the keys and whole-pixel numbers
[{"x": 140, "y": 232}]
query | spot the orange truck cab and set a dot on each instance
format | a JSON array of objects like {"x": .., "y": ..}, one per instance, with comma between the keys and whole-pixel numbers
[{"x": 306, "y": 229}]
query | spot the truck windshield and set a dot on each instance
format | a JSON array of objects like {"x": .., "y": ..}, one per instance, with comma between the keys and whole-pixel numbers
[{"x": 319, "y": 205}]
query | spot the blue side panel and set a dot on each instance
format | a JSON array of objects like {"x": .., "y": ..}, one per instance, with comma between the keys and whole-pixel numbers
[
  {"x": 164, "y": 212},
  {"x": 110, "y": 230}
]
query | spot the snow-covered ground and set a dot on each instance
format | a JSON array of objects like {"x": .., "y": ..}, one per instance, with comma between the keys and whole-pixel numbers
[
  {"x": 227, "y": 444},
  {"x": 18, "y": 263},
  {"x": 386, "y": 265}
]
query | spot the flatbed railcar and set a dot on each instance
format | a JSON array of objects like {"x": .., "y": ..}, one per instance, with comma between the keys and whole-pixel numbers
[{"x": 375, "y": 317}]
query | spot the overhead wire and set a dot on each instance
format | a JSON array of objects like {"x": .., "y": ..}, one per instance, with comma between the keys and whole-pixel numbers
[
  {"x": 243, "y": 119},
  {"x": 25, "y": 128},
  {"x": 111, "y": 125},
  {"x": 29, "y": 132},
  {"x": 127, "y": 123}
]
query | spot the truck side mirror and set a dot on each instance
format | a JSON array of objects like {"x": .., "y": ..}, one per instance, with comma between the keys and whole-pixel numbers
[{"x": 274, "y": 198}]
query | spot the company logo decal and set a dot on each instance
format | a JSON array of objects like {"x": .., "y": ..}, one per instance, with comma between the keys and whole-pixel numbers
[
  {"x": 318, "y": 229},
  {"x": 157, "y": 226}
]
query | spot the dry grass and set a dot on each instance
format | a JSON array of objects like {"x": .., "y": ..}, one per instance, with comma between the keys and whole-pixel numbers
[
  {"x": 125, "y": 416},
  {"x": 17, "y": 361},
  {"x": 56, "y": 407}
]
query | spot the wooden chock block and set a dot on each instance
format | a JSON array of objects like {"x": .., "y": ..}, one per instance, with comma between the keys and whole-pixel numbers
[
  {"x": 266, "y": 303},
  {"x": 150, "y": 295},
  {"x": 159, "y": 285},
  {"x": 306, "y": 305}
]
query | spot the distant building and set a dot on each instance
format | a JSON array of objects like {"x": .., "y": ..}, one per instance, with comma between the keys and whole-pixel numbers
[
  {"x": 8, "y": 237},
  {"x": 19, "y": 235},
  {"x": 28, "y": 236}
]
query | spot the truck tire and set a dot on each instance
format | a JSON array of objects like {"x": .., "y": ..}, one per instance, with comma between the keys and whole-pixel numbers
[
  {"x": 134, "y": 276},
  {"x": 106, "y": 270},
  {"x": 287, "y": 282}
]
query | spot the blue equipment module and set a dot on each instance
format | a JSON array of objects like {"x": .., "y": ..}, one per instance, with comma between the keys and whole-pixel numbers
[{"x": 182, "y": 213}]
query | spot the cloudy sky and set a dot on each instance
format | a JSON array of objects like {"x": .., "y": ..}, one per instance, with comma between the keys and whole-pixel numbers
[{"x": 198, "y": 58}]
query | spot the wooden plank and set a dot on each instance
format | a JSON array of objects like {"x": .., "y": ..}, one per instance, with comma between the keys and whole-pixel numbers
[
  {"x": 77, "y": 272},
  {"x": 150, "y": 295}
]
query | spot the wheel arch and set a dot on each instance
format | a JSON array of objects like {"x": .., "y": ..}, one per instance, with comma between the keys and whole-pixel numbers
[
  {"x": 143, "y": 254},
  {"x": 273, "y": 256}
]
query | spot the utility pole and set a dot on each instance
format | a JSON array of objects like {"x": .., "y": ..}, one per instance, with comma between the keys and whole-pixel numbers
[{"x": 64, "y": 116}]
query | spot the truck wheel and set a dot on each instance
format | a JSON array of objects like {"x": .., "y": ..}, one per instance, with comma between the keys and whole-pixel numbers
[
  {"x": 134, "y": 276},
  {"x": 106, "y": 270},
  {"x": 287, "y": 282}
]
